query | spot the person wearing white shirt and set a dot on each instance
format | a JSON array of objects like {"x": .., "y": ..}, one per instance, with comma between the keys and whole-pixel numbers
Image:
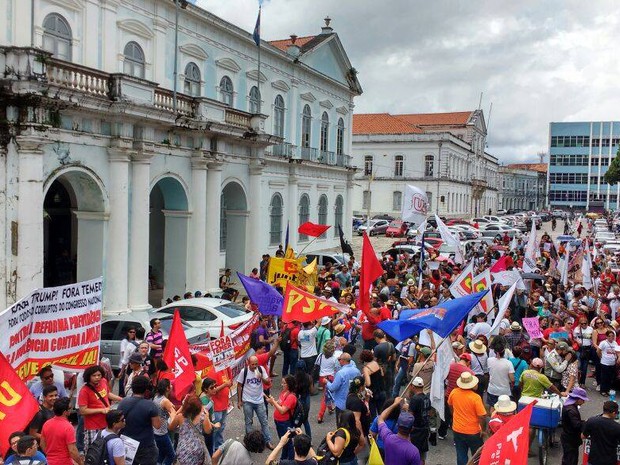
[
  {"x": 608, "y": 352},
  {"x": 501, "y": 377},
  {"x": 582, "y": 335},
  {"x": 250, "y": 396},
  {"x": 307, "y": 343}
]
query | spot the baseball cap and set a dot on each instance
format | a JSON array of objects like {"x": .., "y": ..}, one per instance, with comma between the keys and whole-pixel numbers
[
  {"x": 465, "y": 357},
  {"x": 537, "y": 362},
  {"x": 405, "y": 420},
  {"x": 135, "y": 358},
  {"x": 418, "y": 382}
]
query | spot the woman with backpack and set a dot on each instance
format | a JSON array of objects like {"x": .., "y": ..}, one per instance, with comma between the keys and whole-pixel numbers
[
  {"x": 284, "y": 408},
  {"x": 327, "y": 364},
  {"x": 346, "y": 441},
  {"x": 167, "y": 412}
]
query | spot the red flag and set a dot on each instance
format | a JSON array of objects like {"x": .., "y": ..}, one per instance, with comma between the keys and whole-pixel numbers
[
  {"x": 371, "y": 270},
  {"x": 302, "y": 306},
  {"x": 178, "y": 357},
  {"x": 502, "y": 264},
  {"x": 311, "y": 229},
  {"x": 511, "y": 443},
  {"x": 17, "y": 405}
]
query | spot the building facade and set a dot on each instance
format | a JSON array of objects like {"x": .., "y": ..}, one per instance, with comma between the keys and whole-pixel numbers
[
  {"x": 579, "y": 155},
  {"x": 523, "y": 187},
  {"x": 442, "y": 154},
  {"x": 109, "y": 168}
]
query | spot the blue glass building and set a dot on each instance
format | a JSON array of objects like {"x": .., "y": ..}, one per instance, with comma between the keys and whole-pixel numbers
[{"x": 579, "y": 154}]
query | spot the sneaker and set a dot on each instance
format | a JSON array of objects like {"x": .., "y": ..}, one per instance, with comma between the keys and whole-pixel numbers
[
  {"x": 319, "y": 420},
  {"x": 439, "y": 436}
]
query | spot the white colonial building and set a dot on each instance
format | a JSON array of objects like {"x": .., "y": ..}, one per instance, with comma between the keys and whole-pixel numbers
[
  {"x": 441, "y": 153},
  {"x": 106, "y": 170},
  {"x": 524, "y": 186}
]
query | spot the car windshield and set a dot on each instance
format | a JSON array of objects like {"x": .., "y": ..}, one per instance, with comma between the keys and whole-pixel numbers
[
  {"x": 231, "y": 310},
  {"x": 396, "y": 224},
  {"x": 445, "y": 248}
]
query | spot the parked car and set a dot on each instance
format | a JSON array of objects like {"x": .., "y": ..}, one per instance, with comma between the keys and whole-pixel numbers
[
  {"x": 114, "y": 329},
  {"x": 208, "y": 314},
  {"x": 401, "y": 249},
  {"x": 492, "y": 230},
  {"x": 376, "y": 227},
  {"x": 383, "y": 216},
  {"x": 493, "y": 219},
  {"x": 323, "y": 258},
  {"x": 502, "y": 212},
  {"x": 397, "y": 228},
  {"x": 558, "y": 213}
]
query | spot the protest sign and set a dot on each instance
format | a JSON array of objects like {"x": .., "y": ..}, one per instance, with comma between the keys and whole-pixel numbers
[
  {"x": 283, "y": 270},
  {"x": 60, "y": 326},
  {"x": 532, "y": 327}
]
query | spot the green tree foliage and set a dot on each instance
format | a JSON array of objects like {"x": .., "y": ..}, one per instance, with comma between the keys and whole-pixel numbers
[{"x": 613, "y": 173}]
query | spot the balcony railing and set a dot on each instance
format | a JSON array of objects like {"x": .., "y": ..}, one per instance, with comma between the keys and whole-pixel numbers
[
  {"x": 327, "y": 158},
  {"x": 285, "y": 150},
  {"x": 237, "y": 118},
  {"x": 164, "y": 100},
  {"x": 309, "y": 153},
  {"x": 76, "y": 77}
]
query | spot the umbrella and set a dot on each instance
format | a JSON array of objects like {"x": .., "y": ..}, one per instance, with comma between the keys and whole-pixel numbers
[
  {"x": 565, "y": 238},
  {"x": 534, "y": 276}
]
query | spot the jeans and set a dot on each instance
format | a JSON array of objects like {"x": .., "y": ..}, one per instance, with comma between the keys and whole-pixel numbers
[
  {"x": 584, "y": 359},
  {"x": 402, "y": 372},
  {"x": 166, "y": 449},
  {"x": 608, "y": 373},
  {"x": 281, "y": 428},
  {"x": 146, "y": 455},
  {"x": 261, "y": 413},
  {"x": 463, "y": 443},
  {"x": 305, "y": 401},
  {"x": 218, "y": 433},
  {"x": 79, "y": 433},
  {"x": 289, "y": 361}
]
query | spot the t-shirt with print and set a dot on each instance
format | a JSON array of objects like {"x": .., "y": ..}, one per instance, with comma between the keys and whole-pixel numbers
[
  {"x": 116, "y": 447},
  {"x": 307, "y": 342},
  {"x": 252, "y": 384},
  {"x": 608, "y": 352},
  {"x": 88, "y": 398},
  {"x": 37, "y": 459},
  {"x": 533, "y": 383}
]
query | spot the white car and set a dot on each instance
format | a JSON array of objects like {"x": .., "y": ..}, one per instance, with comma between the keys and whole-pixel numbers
[
  {"x": 376, "y": 227},
  {"x": 493, "y": 230},
  {"x": 208, "y": 314}
]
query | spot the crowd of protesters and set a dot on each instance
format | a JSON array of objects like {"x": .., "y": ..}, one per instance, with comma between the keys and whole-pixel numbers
[{"x": 360, "y": 374}]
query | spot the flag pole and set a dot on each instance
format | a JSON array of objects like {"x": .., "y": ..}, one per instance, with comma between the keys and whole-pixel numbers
[
  {"x": 424, "y": 364},
  {"x": 302, "y": 250}
]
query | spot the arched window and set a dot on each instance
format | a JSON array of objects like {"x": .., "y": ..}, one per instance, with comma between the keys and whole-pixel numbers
[
  {"x": 226, "y": 90},
  {"x": 338, "y": 214},
  {"x": 429, "y": 165},
  {"x": 57, "y": 36},
  {"x": 306, "y": 124},
  {"x": 192, "y": 80},
  {"x": 254, "y": 100},
  {"x": 398, "y": 165},
  {"x": 304, "y": 214},
  {"x": 278, "y": 116},
  {"x": 134, "y": 60},
  {"x": 340, "y": 137},
  {"x": 324, "y": 132},
  {"x": 323, "y": 211},
  {"x": 275, "y": 216},
  {"x": 368, "y": 165},
  {"x": 397, "y": 200}
]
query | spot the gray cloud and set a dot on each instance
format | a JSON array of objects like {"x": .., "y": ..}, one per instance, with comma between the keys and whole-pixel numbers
[{"x": 537, "y": 61}]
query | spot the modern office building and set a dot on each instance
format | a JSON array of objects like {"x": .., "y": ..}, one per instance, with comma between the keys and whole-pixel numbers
[{"x": 579, "y": 154}]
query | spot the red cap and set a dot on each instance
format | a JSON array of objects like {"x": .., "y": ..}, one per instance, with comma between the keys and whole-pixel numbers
[{"x": 465, "y": 357}]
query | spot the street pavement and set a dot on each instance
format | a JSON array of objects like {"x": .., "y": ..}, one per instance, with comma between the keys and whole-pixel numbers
[{"x": 442, "y": 454}]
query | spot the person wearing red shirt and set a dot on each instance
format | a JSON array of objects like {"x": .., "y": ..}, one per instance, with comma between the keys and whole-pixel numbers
[
  {"x": 291, "y": 349},
  {"x": 94, "y": 403},
  {"x": 220, "y": 398},
  {"x": 58, "y": 437},
  {"x": 284, "y": 408},
  {"x": 373, "y": 318},
  {"x": 456, "y": 368}
]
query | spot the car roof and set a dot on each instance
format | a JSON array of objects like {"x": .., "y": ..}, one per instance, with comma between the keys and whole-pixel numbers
[{"x": 206, "y": 301}]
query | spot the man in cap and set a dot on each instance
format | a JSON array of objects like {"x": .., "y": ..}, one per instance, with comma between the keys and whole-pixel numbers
[
  {"x": 604, "y": 434},
  {"x": 328, "y": 294},
  {"x": 420, "y": 407},
  {"x": 572, "y": 425},
  {"x": 398, "y": 448},
  {"x": 468, "y": 417},
  {"x": 533, "y": 383},
  {"x": 137, "y": 369},
  {"x": 556, "y": 363}
]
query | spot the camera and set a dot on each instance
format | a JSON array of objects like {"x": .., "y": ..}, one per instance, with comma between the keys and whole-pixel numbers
[{"x": 292, "y": 432}]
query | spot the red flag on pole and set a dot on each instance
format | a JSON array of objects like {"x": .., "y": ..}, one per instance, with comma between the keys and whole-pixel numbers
[
  {"x": 511, "y": 443},
  {"x": 178, "y": 357},
  {"x": 311, "y": 229},
  {"x": 371, "y": 270},
  {"x": 502, "y": 264},
  {"x": 302, "y": 306},
  {"x": 17, "y": 405}
]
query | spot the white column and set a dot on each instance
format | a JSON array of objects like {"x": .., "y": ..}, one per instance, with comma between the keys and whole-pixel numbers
[
  {"x": 117, "y": 250},
  {"x": 30, "y": 213},
  {"x": 292, "y": 216},
  {"x": 214, "y": 193},
  {"x": 197, "y": 254},
  {"x": 294, "y": 115},
  {"x": 5, "y": 231},
  {"x": 258, "y": 218},
  {"x": 139, "y": 231}
]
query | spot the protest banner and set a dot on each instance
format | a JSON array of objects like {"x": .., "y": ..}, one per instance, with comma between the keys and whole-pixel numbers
[
  {"x": 462, "y": 284},
  {"x": 532, "y": 327},
  {"x": 283, "y": 270},
  {"x": 302, "y": 306},
  {"x": 58, "y": 326}
]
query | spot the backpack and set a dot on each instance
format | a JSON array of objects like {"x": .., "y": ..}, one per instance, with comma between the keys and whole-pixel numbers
[
  {"x": 324, "y": 455},
  {"x": 299, "y": 415},
  {"x": 98, "y": 451},
  {"x": 254, "y": 343},
  {"x": 285, "y": 343}
]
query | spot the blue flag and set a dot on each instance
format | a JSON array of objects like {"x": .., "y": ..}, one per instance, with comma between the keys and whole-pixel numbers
[
  {"x": 441, "y": 319},
  {"x": 268, "y": 300},
  {"x": 256, "y": 34}
]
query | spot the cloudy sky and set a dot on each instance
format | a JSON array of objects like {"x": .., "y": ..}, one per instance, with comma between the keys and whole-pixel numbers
[{"x": 536, "y": 60}]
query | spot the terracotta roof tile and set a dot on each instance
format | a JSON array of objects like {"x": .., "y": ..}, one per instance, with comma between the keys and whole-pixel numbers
[
  {"x": 382, "y": 123},
  {"x": 437, "y": 119},
  {"x": 540, "y": 167},
  {"x": 285, "y": 43}
]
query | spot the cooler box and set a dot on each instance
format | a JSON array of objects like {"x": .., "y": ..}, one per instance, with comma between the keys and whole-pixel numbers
[{"x": 546, "y": 413}]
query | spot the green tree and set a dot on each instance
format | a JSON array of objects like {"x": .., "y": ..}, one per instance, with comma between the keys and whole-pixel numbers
[{"x": 612, "y": 176}]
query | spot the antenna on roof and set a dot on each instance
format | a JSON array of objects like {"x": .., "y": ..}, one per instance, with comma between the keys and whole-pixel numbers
[
  {"x": 480, "y": 101},
  {"x": 541, "y": 156},
  {"x": 489, "y": 123}
]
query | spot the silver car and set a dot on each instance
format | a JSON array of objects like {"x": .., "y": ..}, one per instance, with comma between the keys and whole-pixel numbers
[{"x": 376, "y": 227}]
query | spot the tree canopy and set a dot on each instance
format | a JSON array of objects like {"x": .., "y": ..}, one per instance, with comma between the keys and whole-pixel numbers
[{"x": 612, "y": 176}]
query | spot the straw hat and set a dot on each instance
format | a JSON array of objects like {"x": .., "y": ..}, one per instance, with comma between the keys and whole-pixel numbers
[
  {"x": 339, "y": 328},
  {"x": 505, "y": 405},
  {"x": 467, "y": 381},
  {"x": 477, "y": 347},
  {"x": 515, "y": 326}
]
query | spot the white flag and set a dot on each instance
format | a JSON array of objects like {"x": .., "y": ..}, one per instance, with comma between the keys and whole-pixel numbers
[
  {"x": 586, "y": 269},
  {"x": 513, "y": 243},
  {"x": 502, "y": 305},
  {"x": 508, "y": 278},
  {"x": 564, "y": 265},
  {"x": 415, "y": 206},
  {"x": 529, "y": 260},
  {"x": 450, "y": 240},
  {"x": 445, "y": 356},
  {"x": 483, "y": 282},
  {"x": 462, "y": 285}
]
